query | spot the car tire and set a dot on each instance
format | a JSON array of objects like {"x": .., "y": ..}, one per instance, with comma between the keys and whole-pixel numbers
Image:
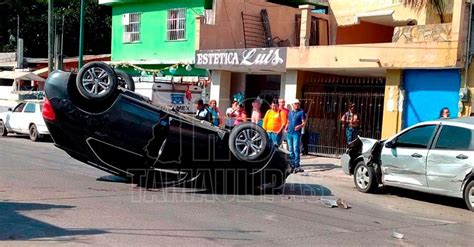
[
  {"x": 364, "y": 178},
  {"x": 96, "y": 81},
  {"x": 125, "y": 80},
  {"x": 469, "y": 195},
  {"x": 249, "y": 142},
  {"x": 34, "y": 134},
  {"x": 3, "y": 129}
]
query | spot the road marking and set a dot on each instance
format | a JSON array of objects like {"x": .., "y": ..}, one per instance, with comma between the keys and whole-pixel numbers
[{"x": 442, "y": 221}]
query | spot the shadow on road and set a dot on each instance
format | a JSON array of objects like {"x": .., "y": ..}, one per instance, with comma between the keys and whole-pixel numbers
[
  {"x": 295, "y": 189},
  {"x": 45, "y": 139},
  {"x": 16, "y": 226},
  {"x": 421, "y": 196}
]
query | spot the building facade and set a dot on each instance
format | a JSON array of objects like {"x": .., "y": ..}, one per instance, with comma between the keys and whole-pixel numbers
[
  {"x": 153, "y": 39},
  {"x": 397, "y": 65}
]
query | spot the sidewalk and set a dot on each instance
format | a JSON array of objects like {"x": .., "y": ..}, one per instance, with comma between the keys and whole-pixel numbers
[{"x": 317, "y": 166}]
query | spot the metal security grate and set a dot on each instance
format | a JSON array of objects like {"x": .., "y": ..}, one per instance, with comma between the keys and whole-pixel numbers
[
  {"x": 326, "y": 107},
  {"x": 254, "y": 31}
]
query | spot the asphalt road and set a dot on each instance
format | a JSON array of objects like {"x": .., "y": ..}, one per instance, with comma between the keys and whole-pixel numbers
[{"x": 46, "y": 197}]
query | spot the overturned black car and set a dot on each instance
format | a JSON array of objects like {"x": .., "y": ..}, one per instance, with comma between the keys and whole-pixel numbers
[{"x": 97, "y": 119}]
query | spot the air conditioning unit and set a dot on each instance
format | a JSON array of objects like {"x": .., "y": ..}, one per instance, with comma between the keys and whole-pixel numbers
[{"x": 125, "y": 19}]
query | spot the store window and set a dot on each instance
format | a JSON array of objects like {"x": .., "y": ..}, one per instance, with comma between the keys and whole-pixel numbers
[
  {"x": 176, "y": 24},
  {"x": 131, "y": 27}
]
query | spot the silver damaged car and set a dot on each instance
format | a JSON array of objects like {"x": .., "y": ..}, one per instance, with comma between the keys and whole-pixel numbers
[{"x": 435, "y": 157}]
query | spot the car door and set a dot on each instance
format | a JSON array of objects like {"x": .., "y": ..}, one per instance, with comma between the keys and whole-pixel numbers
[
  {"x": 15, "y": 117},
  {"x": 404, "y": 161},
  {"x": 450, "y": 159},
  {"x": 27, "y": 117}
]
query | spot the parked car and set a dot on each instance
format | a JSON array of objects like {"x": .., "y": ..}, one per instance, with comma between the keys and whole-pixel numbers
[
  {"x": 25, "y": 118},
  {"x": 116, "y": 130},
  {"x": 435, "y": 157}
]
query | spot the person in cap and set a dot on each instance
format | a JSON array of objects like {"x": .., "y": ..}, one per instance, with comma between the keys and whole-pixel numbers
[
  {"x": 202, "y": 113},
  {"x": 294, "y": 126},
  {"x": 350, "y": 123}
]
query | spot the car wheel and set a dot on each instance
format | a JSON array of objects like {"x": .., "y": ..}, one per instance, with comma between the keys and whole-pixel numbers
[
  {"x": 34, "y": 135},
  {"x": 248, "y": 142},
  {"x": 96, "y": 81},
  {"x": 469, "y": 195},
  {"x": 364, "y": 178},
  {"x": 125, "y": 80},
  {"x": 3, "y": 129}
]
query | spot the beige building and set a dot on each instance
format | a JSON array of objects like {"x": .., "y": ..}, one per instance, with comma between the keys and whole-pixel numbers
[{"x": 381, "y": 55}]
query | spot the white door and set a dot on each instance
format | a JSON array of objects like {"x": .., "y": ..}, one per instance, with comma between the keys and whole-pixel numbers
[
  {"x": 16, "y": 117},
  {"x": 450, "y": 160},
  {"x": 405, "y": 162},
  {"x": 29, "y": 114}
]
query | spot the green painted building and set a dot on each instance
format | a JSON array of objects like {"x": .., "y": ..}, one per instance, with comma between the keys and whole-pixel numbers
[{"x": 155, "y": 34}]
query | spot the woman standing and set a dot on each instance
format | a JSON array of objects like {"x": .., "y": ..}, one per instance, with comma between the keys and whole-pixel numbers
[
  {"x": 215, "y": 112},
  {"x": 241, "y": 115},
  {"x": 444, "y": 113},
  {"x": 256, "y": 113}
]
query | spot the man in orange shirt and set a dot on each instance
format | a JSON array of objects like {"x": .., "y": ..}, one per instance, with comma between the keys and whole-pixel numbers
[{"x": 274, "y": 122}]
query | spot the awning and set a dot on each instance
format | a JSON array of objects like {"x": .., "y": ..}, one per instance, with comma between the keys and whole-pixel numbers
[{"x": 20, "y": 75}]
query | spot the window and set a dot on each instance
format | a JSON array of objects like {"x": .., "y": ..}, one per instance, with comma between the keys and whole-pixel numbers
[
  {"x": 131, "y": 27},
  {"x": 176, "y": 24},
  {"x": 416, "y": 138},
  {"x": 19, "y": 108},
  {"x": 455, "y": 138},
  {"x": 30, "y": 108}
]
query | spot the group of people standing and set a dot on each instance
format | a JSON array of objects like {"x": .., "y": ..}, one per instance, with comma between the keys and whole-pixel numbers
[{"x": 279, "y": 122}]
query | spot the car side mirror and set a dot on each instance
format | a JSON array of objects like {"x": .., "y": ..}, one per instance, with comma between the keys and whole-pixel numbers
[
  {"x": 10, "y": 109},
  {"x": 390, "y": 144}
]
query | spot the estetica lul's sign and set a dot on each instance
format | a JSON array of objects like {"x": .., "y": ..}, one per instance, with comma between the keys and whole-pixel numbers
[{"x": 253, "y": 58}]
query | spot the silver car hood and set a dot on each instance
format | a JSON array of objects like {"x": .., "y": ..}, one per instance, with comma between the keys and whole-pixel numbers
[{"x": 367, "y": 145}]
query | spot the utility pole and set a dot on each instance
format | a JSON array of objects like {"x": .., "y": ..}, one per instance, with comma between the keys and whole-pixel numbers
[
  {"x": 50, "y": 36},
  {"x": 81, "y": 37},
  {"x": 19, "y": 45},
  {"x": 17, "y": 28}
]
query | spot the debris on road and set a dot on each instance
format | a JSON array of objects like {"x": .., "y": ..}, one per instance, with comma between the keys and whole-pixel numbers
[
  {"x": 343, "y": 204},
  {"x": 305, "y": 174},
  {"x": 397, "y": 235},
  {"x": 330, "y": 203}
]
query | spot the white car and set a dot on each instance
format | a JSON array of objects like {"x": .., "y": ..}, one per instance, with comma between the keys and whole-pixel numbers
[
  {"x": 435, "y": 157},
  {"x": 25, "y": 118}
]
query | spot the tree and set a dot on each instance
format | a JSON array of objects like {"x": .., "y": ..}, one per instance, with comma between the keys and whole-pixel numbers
[
  {"x": 34, "y": 25},
  {"x": 437, "y": 5}
]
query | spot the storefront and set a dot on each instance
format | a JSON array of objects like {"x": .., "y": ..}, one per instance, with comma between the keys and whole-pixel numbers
[
  {"x": 245, "y": 73},
  {"x": 422, "y": 86}
]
